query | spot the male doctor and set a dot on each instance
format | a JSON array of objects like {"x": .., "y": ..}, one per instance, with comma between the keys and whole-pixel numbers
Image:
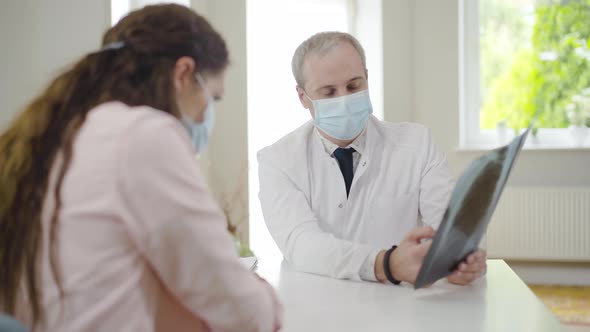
[{"x": 347, "y": 195}]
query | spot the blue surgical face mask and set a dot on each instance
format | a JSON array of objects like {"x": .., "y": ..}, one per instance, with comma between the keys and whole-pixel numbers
[
  {"x": 343, "y": 117},
  {"x": 201, "y": 132}
]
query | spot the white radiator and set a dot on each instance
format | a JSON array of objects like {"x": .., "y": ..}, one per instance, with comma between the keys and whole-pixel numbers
[{"x": 540, "y": 223}]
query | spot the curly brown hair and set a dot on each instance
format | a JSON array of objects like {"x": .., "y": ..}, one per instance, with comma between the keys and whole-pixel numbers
[{"x": 138, "y": 73}]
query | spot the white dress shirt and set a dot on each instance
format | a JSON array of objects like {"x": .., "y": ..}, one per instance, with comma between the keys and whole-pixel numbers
[{"x": 401, "y": 180}]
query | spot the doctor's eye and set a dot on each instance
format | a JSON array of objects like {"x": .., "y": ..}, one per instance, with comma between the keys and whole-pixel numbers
[
  {"x": 329, "y": 93},
  {"x": 353, "y": 86}
]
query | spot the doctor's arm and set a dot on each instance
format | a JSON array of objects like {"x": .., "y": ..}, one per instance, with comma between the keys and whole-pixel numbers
[
  {"x": 296, "y": 230},
  {"x": 308, "y": 248}
]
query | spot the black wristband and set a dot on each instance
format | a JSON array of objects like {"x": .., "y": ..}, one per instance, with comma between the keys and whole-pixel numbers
[{"x": 386, "y": 267}]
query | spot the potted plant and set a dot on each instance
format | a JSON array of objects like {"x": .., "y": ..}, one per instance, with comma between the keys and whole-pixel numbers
[
  {"x": 234, "y": 204},
  {"x": 578, "y": 113},
  {"x": 242, "y": 249}
]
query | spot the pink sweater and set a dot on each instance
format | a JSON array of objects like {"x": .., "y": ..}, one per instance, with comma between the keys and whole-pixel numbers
[{"x": 142, "y": 244}]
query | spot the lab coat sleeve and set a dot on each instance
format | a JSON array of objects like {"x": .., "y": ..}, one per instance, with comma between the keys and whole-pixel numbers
[
  {"x": 436, "y": 184},
  {"x": 182, "y": 233},
  {"x": 296, "y": 231}
]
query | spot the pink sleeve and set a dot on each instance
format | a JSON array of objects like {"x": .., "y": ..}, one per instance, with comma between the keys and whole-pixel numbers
[{"x": 182, "y": 232}]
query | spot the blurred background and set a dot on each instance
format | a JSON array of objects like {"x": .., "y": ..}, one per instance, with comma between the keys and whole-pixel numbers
[{"x": 475, "y": 71}]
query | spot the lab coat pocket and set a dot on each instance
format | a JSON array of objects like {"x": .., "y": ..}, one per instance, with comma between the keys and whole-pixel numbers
[{"x": 396, "y": 215}]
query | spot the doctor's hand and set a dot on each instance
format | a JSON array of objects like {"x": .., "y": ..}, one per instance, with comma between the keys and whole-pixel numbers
[
  {"x": 472, "y": 268},
  {"x": 406, "y": 259}
]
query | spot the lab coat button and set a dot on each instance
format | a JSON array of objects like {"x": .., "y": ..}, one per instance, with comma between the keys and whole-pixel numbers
[{"x": 340, "y": 205}]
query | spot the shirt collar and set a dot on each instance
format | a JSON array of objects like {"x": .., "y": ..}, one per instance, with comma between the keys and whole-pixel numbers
[{"x": 358, "y": 144}]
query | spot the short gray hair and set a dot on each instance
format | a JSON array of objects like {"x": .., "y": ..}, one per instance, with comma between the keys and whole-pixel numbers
[{"x": 321, "y": 43}]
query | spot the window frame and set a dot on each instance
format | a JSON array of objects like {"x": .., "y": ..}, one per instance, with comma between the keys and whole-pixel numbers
[{"x": 471, "y": 136}]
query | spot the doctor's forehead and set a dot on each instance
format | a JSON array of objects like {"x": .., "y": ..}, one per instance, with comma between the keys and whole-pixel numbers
[{"x": 335, "y": 66}]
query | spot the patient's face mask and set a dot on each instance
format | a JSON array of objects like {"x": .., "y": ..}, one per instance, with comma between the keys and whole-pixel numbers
[
  {"x": 343, "y": 117},
  {"x": 201, "y": 132}
]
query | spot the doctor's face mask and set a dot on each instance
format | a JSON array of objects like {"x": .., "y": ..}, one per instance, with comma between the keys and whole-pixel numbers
[{"x": 342, "y": 117}]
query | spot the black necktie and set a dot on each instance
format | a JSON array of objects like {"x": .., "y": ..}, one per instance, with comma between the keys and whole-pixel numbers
[{"x": 344, "y": 157}]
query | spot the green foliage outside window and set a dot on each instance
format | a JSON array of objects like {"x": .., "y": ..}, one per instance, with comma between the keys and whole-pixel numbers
[{"x": 532, "y": 70}]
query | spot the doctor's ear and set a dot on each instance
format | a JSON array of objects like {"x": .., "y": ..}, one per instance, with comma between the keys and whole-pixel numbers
[{"x": 302, "y": 99}]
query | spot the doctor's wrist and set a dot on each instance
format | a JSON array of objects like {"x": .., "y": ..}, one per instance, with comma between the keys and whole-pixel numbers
[
  {"x": 381, "y": 266},
  {"x": 379, "y": 271},
  {"x": 388, "y": 267}
]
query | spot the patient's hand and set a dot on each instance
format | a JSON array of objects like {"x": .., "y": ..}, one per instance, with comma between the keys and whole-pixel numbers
[{"x": 468, "y": 271}]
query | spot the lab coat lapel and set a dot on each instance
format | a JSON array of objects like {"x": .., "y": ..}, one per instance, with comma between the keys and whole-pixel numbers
[{"x": 371, "y": 159}]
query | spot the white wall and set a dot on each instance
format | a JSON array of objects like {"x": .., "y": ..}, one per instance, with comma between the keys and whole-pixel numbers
[
  {"x": 227, "y": 158},
  {"x": 398, "y": 60},
  {"x": 15, "y": 71},
  {"x": 39, "y": 39},
  {"x": 536, "y": 273}
]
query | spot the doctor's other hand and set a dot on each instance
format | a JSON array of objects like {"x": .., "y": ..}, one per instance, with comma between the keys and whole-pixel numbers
[
  {"x": 470, "y": 270},
  {"x": 406, "y": 259}
]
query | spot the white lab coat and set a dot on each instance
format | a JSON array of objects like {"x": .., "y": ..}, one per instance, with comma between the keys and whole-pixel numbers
[{"x": 402, "y": 179}]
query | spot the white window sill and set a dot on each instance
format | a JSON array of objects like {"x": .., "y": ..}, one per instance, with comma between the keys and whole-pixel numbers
[
  {"x": 526, "y": 147},
  {"x": 546, "y": 140}
]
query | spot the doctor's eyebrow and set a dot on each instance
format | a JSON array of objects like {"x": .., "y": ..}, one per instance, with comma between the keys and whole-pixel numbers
[
  {"x": 332, "y": 86},
  {"x": 355, "y": 78}
]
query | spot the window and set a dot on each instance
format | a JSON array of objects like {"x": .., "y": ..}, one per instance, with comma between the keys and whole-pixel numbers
[
  {"x": 274, "y": 109},
  {"x": 524, "y": 60}
]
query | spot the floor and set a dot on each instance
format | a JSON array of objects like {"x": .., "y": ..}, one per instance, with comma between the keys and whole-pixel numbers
[{"x": 555, "y": 274}]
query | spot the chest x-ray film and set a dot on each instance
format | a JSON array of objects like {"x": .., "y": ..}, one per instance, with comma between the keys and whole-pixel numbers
[{"x": 471, "y": 206}]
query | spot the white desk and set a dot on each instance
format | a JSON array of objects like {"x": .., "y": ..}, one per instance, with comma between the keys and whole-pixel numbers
[{"x": 497, "y": 303}]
